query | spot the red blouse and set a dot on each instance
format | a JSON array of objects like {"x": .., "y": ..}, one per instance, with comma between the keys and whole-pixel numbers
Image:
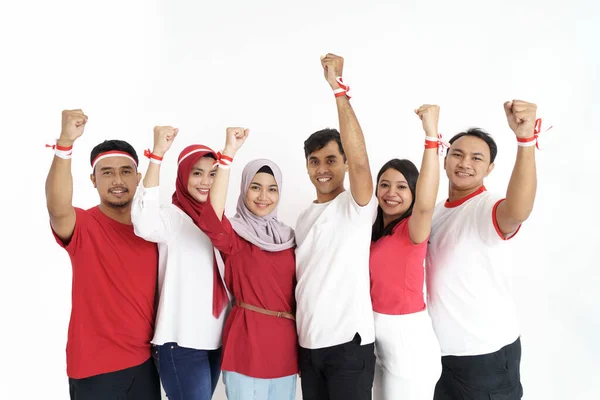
[
  {"x": 397, "y": 273},
  {"x": 255, "y": 344}
]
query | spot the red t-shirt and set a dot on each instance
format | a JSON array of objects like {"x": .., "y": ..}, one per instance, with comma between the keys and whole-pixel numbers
[
  {"x": 255, "y": 344},
  {"x": 114, "y": 284},
  {"x": 397, "y": 273}
]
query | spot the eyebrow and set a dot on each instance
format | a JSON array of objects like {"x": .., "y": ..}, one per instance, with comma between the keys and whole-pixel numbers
[
  {"x": 258, "y": 184},
  {"x": 385, "y": 180},
  {"x": 326, "y": 157},
  {"x": 121, "y": 167},
  {"x": 475, "y": 154}
]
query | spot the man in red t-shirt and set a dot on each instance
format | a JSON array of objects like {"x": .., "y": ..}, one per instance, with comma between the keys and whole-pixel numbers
[{"x": 114, "y": 272}]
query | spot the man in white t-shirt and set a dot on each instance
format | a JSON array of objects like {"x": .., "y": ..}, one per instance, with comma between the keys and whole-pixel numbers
[
  {"x": 334, "y": 313},
  {"x": 468, "y": 276}
]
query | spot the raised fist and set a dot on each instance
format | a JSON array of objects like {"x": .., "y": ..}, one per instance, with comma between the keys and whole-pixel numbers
[
  {"x": 163, "y": 139},
  {"x": 521, "y": 117},
  {"x": 73, "y": 124},
  {"x": 430, "y": 115},
  {"x": 234, "y": 139},
  {"x": 333, "y": 66}
]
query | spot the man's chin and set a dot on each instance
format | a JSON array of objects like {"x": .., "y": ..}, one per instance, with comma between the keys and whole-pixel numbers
[{"x": 119, "y": 204}]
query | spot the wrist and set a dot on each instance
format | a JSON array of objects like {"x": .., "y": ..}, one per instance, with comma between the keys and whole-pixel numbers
[
  {"x": 229, "y": 151},
  {"x": 158, "y": 152},
  {"x": 65, "y": 142}
]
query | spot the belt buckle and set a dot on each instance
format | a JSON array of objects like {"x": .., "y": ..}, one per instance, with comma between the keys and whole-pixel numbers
[{"x": 278, "y": 314}]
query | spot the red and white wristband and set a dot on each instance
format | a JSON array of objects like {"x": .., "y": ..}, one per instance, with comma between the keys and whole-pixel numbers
[
  {"x": 343, "y": 90},
  {"x": 436, "y": 143},
  {"x": 153, "y": 158},
  {"x": 61, "y": 151},
  {"x": 223, "y": 161},
  {"x": 533, "y": 141}
]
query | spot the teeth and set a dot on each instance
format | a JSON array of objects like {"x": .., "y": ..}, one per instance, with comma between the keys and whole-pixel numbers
[
  {"x": 324, "y": 179},
  {"x": 393, "y": 203}
]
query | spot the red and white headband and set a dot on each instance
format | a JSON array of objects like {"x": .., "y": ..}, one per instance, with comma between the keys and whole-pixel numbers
[
  {"x": 112, "y": 153},
  {"x": 194, "y": 150}
]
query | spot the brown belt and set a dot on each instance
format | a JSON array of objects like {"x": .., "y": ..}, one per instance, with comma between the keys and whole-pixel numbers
[{"x": 278, "y": 314}]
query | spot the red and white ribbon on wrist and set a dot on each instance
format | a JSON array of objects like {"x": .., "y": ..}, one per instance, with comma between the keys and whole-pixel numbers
[
  {"x": 61, "y": 151},
  {"x": 223, "y": 161},
  {"x": 153, "y": 158},
  {"x": 436, "y": 143},
  {"x": 343, "y": 90},
  {"x": 533, "y": 141}
]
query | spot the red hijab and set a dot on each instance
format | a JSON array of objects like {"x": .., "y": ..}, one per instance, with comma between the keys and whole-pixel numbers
[{"x": 182, "y": 199}]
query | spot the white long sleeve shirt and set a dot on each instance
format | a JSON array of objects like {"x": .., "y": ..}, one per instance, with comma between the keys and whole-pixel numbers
[{"x": 185, "y": 275}]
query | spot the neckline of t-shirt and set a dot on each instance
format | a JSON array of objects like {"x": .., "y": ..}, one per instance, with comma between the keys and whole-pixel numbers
[
  {"x": 327, "y": 202},
  {"x": 114, "y": 222},
  {"x": 456, "y": 203}
]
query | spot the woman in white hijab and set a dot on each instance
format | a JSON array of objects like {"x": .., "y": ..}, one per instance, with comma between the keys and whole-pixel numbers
[{"x": 260, "y": 346}]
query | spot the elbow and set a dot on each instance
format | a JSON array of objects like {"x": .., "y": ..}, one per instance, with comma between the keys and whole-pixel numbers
[
  {"x": 58, "y": 211},
  {"x": 518, "y": 215},
  {"x": 424, "y": 210}
]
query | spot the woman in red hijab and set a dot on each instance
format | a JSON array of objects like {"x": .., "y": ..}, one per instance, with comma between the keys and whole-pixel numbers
[{"x": 191, "y": 297}]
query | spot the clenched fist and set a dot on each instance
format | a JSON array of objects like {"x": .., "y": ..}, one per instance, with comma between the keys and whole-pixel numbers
[
  {"x": 521, "y": 117},
  {"x": 73, "y": 124},
  {"x": 163, "y": 139},
  {"x": 333, "y": 66},
  {"x": 234, "y": 139},
  {"x": 430, "y": 115}
]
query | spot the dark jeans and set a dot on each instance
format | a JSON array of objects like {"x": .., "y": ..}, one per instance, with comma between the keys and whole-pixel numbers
[
  {"x": 187, "y": 374},
  {"x": 135, "y": 383},
  {"x": 342, "y": 372},
  {"x": 494, "y": 376}
]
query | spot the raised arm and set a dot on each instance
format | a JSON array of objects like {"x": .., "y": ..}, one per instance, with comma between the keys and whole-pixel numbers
[
  {"x": 150, "y": 222},
  {"x": 419, "y": 225},
  {"x": 234, "y": 139},
  {"x": 520, "y": 194},
  {"x": 163, "y": 139},
  {"x": 59, "y": 183},
  {"x": 353, "y": 141}
]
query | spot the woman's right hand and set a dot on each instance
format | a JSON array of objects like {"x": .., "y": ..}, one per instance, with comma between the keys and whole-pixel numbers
[
  {"x": 235, "y": 138},
  {"x": 163, "y": 139}
]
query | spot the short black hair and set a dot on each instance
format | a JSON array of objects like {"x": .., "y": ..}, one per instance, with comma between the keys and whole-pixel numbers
[
  {"x": 265, "y": 169},
  {"x": 481, "y": 134},
  {"x": 112, "y": 145},
  {"x": 411, "y": 173},
  {"x": 320, "y": 139}
]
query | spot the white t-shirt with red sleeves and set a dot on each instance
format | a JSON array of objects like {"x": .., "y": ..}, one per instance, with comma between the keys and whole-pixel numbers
[{"x": 468, "y": 274}]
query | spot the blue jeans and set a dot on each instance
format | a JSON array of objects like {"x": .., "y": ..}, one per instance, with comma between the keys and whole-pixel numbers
[
  {"x": 187, "y": 374},
  {"x": 242, "y": 387}
]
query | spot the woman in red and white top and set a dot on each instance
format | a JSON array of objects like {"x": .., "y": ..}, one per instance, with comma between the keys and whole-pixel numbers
[
  {"x": 406, "y": 347},
  {"x": 260, "y": 345},
  {"x": 191, "y": 295}
]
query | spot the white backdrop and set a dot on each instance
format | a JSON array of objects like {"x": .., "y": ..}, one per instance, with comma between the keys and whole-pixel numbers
[{"x": 205, "y": 65}]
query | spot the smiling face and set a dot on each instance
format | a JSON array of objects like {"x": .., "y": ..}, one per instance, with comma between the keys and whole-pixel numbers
[
  {"x": 327, "y": 170},
  {"x": 116, "y": 179},
  {"x": 262, "y": 195},
  {"x": 468, "y": 163},
  {"x": 201, "y": 179},
  {"x": 393, "y": 194}
]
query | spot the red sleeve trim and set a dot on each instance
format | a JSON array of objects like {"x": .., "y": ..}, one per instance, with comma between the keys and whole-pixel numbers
[
  {"x": 495, "y": 221},
  {"x": 71, "y": 245}
]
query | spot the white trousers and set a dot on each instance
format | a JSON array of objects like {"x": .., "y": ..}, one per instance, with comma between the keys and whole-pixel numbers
[{"x": 408, "y": 357}]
